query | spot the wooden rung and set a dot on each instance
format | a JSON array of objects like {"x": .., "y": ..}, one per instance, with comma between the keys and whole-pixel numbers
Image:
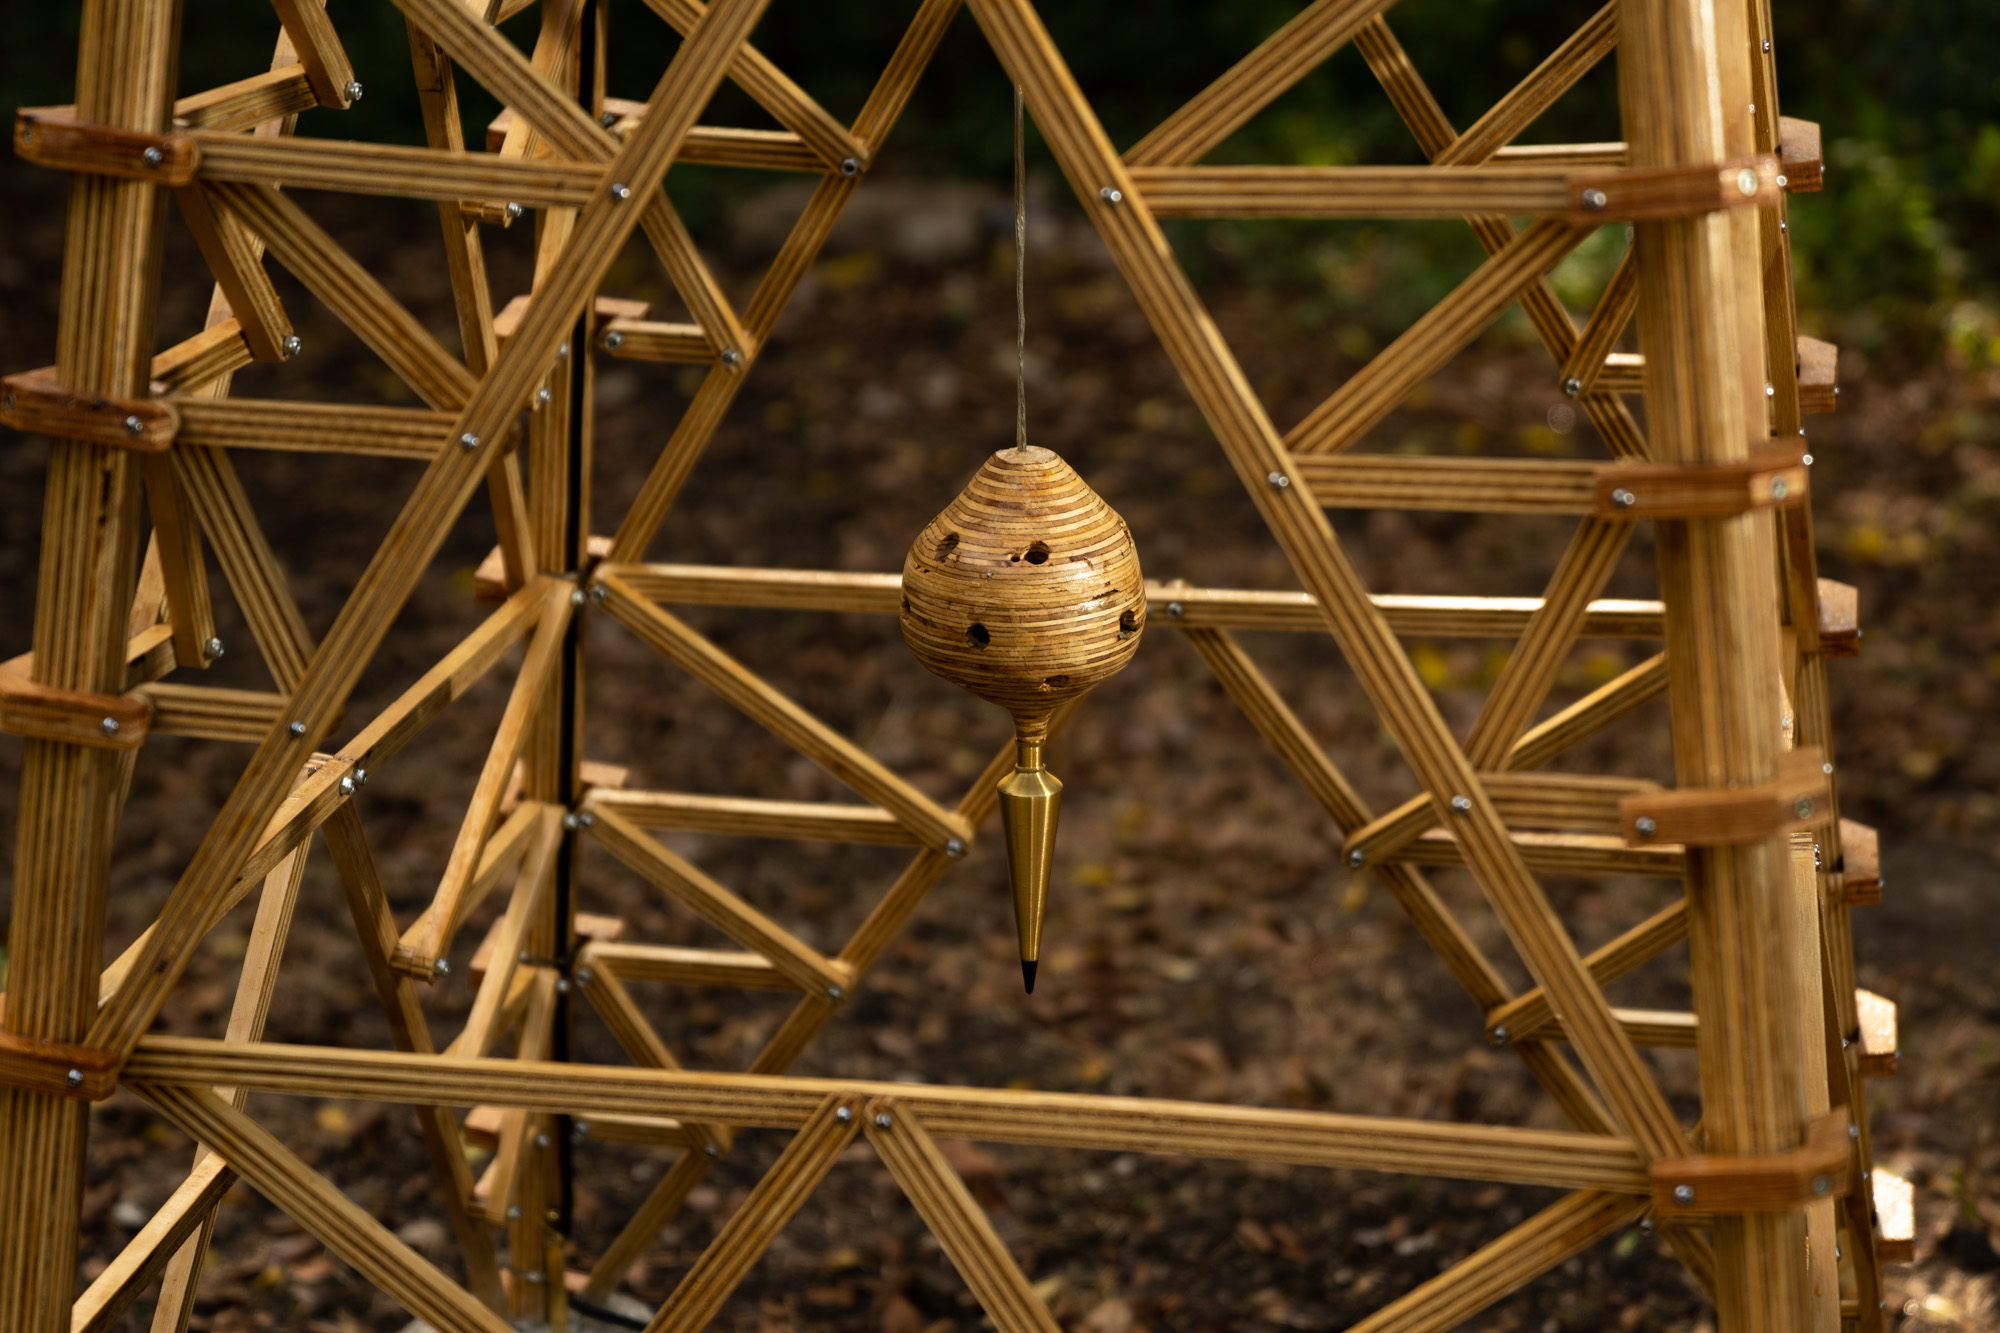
[
  {"x": 202, "y": 359},
  {"x": 1607, "y": 154},
  {"x": 1714, "y": 1183},
  {"x": 649, "y": 1130},
  {"x": 57, "y": 1067},
  {"x": 655, "y": 340},
  {"x": 1895, "y": 1217},
  {"x": 685, "y": 967},
  {"x": 1701, "y": 490},
  {"x": 710, "y": 145},
  {"x": 1622, "y": 372},
  {"x": 34, "y": 403},
  {"x": 247, "y": 103},
  {"x": 604, "y": 310},
  {"x": 77, "y": 717},
  {"x": 66, "y": 144},
  {"x": 591, "y": 927},
  {"x": 1839, "y": 619},
  {"x": 209, "y": 713},
  {"x": 1819, "y": 375},
  {"x": 1860, "y": 867},
  {"x": 812, "y": 821},
  {"x": 1457, "y": 485},
  {"x": 1876, "y": 1033},
  {"x": 1673, "y": 192},
  {"x": 1646, "y": 1027},
  {"x": 1799, "y": 155},
  {"x": 1556, "y": 854},
  {"x": 1798, "y": 797}
]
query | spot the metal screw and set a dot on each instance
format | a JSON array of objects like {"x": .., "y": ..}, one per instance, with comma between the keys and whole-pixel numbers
[
  {"x": 731, "y": 357},
  {"x": 1778, "y": 488},
  {"x": 1357, "y": 858},
  {"x": 1111, "y": 196},
  {"x": 562, "y": 351},
  {"x": 579, "y": 1129},
  {"x": 586, "y": 819},
  {"x": 1770, "y": 391},
  {"x": 109, "y": 726},
  {"x": 576, "y": 597},
  {"x": 294, "y": 345},
  {"x": 1175, "y": 610},
  {"x": 541, "y": 1140},
  {"x": 1572, "y": 386},
  {"x": 513, "y": 211},
  {"x": 1803, "y": 808},
  {"x": 1821, "y": 1184},
  {"x": 152, "y": 157},
  {"x": 298, "y": 729},
  {"x": 1767, "y": 46},
  {"x": 584, "y": 976},
  {"x": 513, "y": 1213},
  {"x": 1595, "y": 200},
  {"x": 842, "y": 1114},
  {"x": 347, "y": 786},
  {"x": 598, "y": 592},
  {"x": 535, "y": 1276},
  {"x": 1623, "y": 499},
  {"x": 1853, "y": 1130},
  {"x": 881, "y": 1120},
  {"x": 562, "y": 985},
  {"x": 1644, "y": 826},
  {"x": 214, "y": 647},
  {"x": 712, "y": 1151},
  {"x": 134, "y": 426},
  {"x": 850, "y": 166},
  {"x": 468, "y": 441},
  {"x": 954, "y": 848},
  {"x": 444, "y": 967},
  {"x": 613, "y": 341},
  {"x": 1278, "y": 481},
  {"x": 620, "y": 191},
  {"x": 542, "y": 396},
  {"x": 74, "y": 1078},
  {"x": 1683, "y": 1194},
  {"x": 1805, "y": 460},
  {"x": 360, "y": 777},
  {"x": 1645, "y": 1226},
  {"x": 608, "y": 119},
  {"x": 835, "y": 993},
  {"x": 569, "y": 821},
  {"x": 1500, "y": 1036},
  {"x": 1783, "y": 228},
  {"x": 1746, "y": 182},
  {"x": 1461, "y": 805},
  {"x": 1782, "y": 182},
  {"x": 353, "y": 90}
]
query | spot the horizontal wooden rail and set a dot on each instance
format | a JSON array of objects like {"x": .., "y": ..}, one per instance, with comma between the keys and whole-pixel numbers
[
  {"x": 754, "y": 818},
  {"x": 331, "y": 428},
  {"x": 709, "y": 145}
]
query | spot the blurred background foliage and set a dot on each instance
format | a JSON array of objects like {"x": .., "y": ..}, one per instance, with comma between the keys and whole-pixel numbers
[{"x": 1899, "y": 258}]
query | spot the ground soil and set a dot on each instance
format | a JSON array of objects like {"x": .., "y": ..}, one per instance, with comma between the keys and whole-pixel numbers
[{"x": 1204, "y": 941}]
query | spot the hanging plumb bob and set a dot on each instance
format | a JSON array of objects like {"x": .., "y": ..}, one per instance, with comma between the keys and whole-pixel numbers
[{"x": 1026, "y": 591}]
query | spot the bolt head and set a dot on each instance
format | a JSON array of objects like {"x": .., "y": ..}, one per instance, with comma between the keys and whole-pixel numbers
[
  {"x": 620, "y": 191},
  {"x": 1645, "y": 826},
  {"x": 1461, "y": 805},
  {"x": 850, "y": 166},
  {"x": 608, "y": 119},
  {"x": 1175, "y": 610},
  {"x": 468, "y": 441},
  {"x": 584, "y": 976},
  {"x": 562, "y": 985},
  {"x": 1110, "y": 195},
  {"x": 614, "y": 340},
  {"x": 569, "y": 821},
  {"x": 1623, "y": 499},
  {"x": 598, "y": 592},
  {"x": 444, "y": 967},
  {"x": 347, "y": 786},
  {"x": 711, "y": 1151},
  {"x": 1572, "y": 386},
  {"x": 353, "y": 90},
  {"x": 1782, "y": 182},
  {"x": 1746, "y": 182},
  {"x": 1803, "y": 807},
  {"x": 1500, "y": 1036},
  {"x": 1683, "y": 1194},
  {"x": 1278, "y": 481},
  {"x": 214, "y": 647},
  {"x": 152, "y": 157},
  {"x": 298, "y": 730},
  {"x": 576, "y": 597},
  {"x": 74, "y": 1078},
  {"x": 1820, "y": 1184},
  {"x": 513, "y": 211},
  {"x": 542, "y": 396},
  {"x": 1778, "y": 488},
  {"x": 294, "y": 345},
  {"x": 134, "y": 426},
  {"x": 579, "y": 1129},
  {"x": 1357, "y": 858},
  {"x": 836, "y": 993},
  {"x": 360, "y": 777},
  {"x": 1595, "y": 200},
  {"x": 881, "y": 1120},
  {"x": 731, "y": 357},
  {"x": 541, "y": 1140},
  {"x": 513, "y": 1213},
  {"x": 1767, "y": 46},
  {"x": 586, "y": 819},
  {"x": 1783, "y": 228},
  {"x": 562, "y": 350},
  {"x": 109, "y": 726},
  {"x": 954, "y": 848},
  {"x": 843, "y": 1114}
]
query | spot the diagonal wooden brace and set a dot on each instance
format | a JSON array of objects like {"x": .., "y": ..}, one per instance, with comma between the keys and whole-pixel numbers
[
  {"x": 1704, "y": 1186},
  {"x": 82, "y": 1072},
  {"x": 1701, "y": 490},
  {"x": 35, "y": 403},
  {"x": 49, "y": 139},
  {"x": 1800, "y": 796},
  {"x": 1674, "y": 192}
]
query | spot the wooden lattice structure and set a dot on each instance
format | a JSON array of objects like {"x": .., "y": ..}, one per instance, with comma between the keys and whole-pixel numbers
[{"x": 1755, "y": 1202}]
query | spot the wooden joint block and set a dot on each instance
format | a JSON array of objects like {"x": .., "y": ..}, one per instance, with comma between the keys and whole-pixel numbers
[
  {"x": 1895, "y": 1217},
  {"x": 489, "y": 581},
  {"x": 1765, "y": 480},
  {"x": 76, "y": 717},
  {"x": 604, "y": 310},
  {"x": 1818, "y": 369},
  {"x": 1713, "y": 1184},
  {"x": 49, "y": 139},
  {"x": 82, "y": 1072},
  {"x": 1799, "y": 155},
  {"x": 1800, "y": 796},
  {"x": 1875, "y": 1035},
  {"x": 35, "y": 403},
  {"x": 1672, "y": 192},
  {"x": 591, "y": 927},
  {"x": 1839, "y": 620},
  {"x": 1860, "y": 865}
]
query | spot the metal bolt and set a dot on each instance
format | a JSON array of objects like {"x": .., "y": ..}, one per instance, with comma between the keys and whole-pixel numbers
[
  {"x": 1770, "y": 391},
  {"x": 541, "y": 1140},
  {"x": 1623, "y": 499},
  {"x": 1357, "y": 858},
  {"x": 620, "y": 191},
  {"x": 584, "y": 976},
  {"x": 298, "y": 729},
  {"x": 1461, "y": 805},
  {"x": 1175, "y": 610},
  {"x": 1595, "y": 200},
  {"x": 608, "y": 119},
  {"x": 353, "y": 90},
  {"x": 152, "y": 157},
  {"x": 613, "y": 341},
  {"x": 1500, "y": 1036},
  {"x": 214, "y": 647},
  {"x": 1783, "y": 228},
  {"x": 347, "y": 786},
  {"x": 850, "y": 166},
  {"x": 1767, "y": 46},
  {"x": 598, "y": 592},
  {"x": 576, "y": 597},
  {"x": 1817, "y": 862},
  {"x": 1746, "y": 182},
  {"x": 468, "y": 441},
  {"x": 1778, "y": 488},
  {"x": 1853, "y": 1130},
  {"x": 562, "y": 351},
  {"x": 954, "y": 848},
  {"x": 712, "y": 1151},
  {"x": 513, "y": 211},
  {"x": 134, "y": 426},
  {"x": 1805, "y": 460},
  {"x": 1644, "y": 826},
  {"x": 1645, "y": 1226},
  {"x": 524, "y": 957},
  {"x": 562, "y": 985},
  {"x": 535, "y": 1276},
  {"x": 842, "y": 1114},
  {"x": 513, "y": 1213},
  {"x": 1111, "y": 195},
  {"x": 835, "y": 993},
  {"x": 1821, "y": 1184},
  {"x": 27, "y": 134},
  {"x": 1278, "y": 481},
  {"x": 579, "y": 1129},
  {"x": 444, "y": 967},
  {"x": 360, "y": 777},
  {"x": 569, "y": 821},
  {"x": 731, "y": 357},
  {"x": 109, "y": 726},
  {"x": 74, "y": 1078},
  {"x": 1684, "y": 1194},
  {"x": 1572, "y": 386},
  {"x": 1803, "y": 807},
  {"x": 294, "y": 345},
  {"x": 881, "y": 1120},
  {"x": 542, "y": 396},
  {"x": 1782, "y": 182}
]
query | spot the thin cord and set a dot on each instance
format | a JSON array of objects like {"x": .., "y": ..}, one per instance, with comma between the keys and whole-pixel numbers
[{"x": 1020, "y": 276}]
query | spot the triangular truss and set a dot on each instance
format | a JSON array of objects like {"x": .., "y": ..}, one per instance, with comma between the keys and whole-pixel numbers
[{"x": 592, "y": 174}]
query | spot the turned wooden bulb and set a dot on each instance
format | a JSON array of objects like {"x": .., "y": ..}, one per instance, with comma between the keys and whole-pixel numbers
[{"x": 1026, "y": 591}]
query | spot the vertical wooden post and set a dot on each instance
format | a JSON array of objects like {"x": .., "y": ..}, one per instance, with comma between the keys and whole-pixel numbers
[
  {"x": 70, "y": 794},
  {"x": 1684, "y": 83}
]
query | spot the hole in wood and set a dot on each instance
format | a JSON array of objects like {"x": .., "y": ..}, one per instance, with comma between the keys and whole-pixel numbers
[
  {"x": 1038, "y": 553},
  {"x": 1054, "y": 682},
  {"x": 978, "y": 636},
  {"x": 947, "y": 546},
  {"x": 1128, "y": 624}
]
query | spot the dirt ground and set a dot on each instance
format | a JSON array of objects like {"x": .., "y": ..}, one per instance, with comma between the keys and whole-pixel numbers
[{"x": 1204, "y": 939}]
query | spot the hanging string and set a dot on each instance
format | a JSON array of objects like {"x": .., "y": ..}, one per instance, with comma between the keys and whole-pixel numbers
[{"x": 1020, "y": 276}]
